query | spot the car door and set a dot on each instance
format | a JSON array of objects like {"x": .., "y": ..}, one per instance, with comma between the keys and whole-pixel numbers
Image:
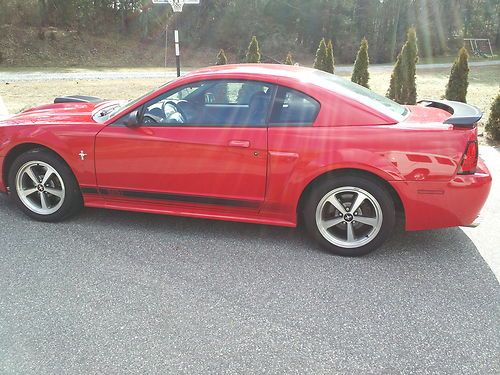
[{"x": 200, "y": 144}]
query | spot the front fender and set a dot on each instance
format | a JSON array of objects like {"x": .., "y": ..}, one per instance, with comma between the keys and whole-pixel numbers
[{"x": 65, "y": 141}]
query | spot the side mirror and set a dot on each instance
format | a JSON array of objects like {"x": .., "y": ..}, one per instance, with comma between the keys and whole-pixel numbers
[{"x": 132, "y": 120}]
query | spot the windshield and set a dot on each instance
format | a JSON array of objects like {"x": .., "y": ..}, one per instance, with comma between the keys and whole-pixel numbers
[
  {"x": 118, "y": 108},
  {"x": 342, "y": 83}
]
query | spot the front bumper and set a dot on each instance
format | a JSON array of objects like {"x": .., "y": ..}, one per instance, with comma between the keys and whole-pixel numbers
[{"x": 431, "y": 205}]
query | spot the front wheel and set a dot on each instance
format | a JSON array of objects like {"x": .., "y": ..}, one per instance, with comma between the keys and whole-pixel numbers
[
  {"x": 43, "y": 186},
  {"x": 349, "y": 215}
]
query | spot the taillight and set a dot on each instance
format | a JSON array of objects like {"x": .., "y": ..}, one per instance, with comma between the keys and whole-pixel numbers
[{"x": 469, "y": 160}]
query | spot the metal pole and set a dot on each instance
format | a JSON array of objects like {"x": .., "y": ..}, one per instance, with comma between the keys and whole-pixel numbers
[
  {"x": 491, "y": 50},
  {"x": 177, "y": 52},
  {"x": 166, "y": 44}
]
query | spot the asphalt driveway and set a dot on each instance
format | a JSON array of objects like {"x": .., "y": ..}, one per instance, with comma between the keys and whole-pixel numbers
[{"x": 120, "y": 293}]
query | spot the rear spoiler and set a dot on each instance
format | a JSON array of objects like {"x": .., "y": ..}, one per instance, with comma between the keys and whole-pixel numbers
[
  {"x": 77, "y": 99},
  {"x": 462, "y": 115}
]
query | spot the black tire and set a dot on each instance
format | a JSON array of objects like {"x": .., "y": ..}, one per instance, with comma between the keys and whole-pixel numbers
[
  {"x": 377, "y": 191},
  {"x": 72, "y": 201}
]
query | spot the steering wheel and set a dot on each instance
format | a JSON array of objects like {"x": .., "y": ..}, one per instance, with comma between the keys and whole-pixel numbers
[
  {"x": 184, "y": 107},
  {"x": 148, "y": 119}
]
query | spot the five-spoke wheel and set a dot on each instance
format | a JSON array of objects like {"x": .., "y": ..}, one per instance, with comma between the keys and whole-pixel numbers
[
  {"x": 40, "y": 187},
  {"x": 350, "y": 215},
  {"x": 43, "y": 186}
]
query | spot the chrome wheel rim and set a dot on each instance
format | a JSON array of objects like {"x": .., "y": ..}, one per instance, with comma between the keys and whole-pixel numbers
[
  {"x": 349, "y": 217},
  {"x": 40, "y": 188}
]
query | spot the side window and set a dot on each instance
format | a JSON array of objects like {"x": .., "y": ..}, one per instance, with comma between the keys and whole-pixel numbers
[
  {"x": 235, "y": 92},
  {"x": 293, "y": 108},
  {"x": 173, "y": 107},
  {"x": 212, "y": 103},
  {"x": 236, "y": 103}
]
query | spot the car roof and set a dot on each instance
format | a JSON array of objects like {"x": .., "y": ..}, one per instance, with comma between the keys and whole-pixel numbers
[
  {"x": 297, "y": 77},
  {"x": 273, "y": 70}
]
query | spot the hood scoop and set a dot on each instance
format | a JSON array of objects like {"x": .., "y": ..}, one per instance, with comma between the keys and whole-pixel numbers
[{"x": 78, "y": 99}]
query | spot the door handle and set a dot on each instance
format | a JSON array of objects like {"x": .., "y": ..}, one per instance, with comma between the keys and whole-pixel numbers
[{"x": 239, "y": 143}]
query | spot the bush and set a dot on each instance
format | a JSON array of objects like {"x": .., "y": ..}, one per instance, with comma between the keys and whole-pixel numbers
[
  {"x": 329, "y": 59},
  {"x": 403, "y": 86},
  {"x": 253, "y": 53},
  {"x": 320, "y": 61},
  {"x": 493, "y": 124},
  {"x": 221, "y": 58},
  {"x": 456, "y": 89},
  {"x": 360, "y": 73}
]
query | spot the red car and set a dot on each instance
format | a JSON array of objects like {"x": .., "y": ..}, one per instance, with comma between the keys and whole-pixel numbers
[{"x": 267, "y": 144}]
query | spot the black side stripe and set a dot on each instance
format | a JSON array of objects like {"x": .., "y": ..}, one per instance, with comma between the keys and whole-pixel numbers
[
  {"x": 89, "y": 190},
  {"x": 171, "y": 197}
]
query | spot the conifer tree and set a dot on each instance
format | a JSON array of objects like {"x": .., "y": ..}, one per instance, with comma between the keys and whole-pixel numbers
[
  {"x": 319, "y": 62},
  {"x": 360, "y": 73},
  {"x": 493, "y": 125},
  {"x": 248, "y": 89},
  {"x": 221, "y": 58},
  {"x": 403, "y": 86},
  {"x": 289, "y": 59},
  {"x": 253, "y": 53},
  {"x": 220, "y": 90},
  {"x": 329, "y": 59},
  {"x": 456, "y": 89}
]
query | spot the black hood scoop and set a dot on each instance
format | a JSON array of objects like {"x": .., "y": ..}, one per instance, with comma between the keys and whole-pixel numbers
[{"x": 78, "y": 99}]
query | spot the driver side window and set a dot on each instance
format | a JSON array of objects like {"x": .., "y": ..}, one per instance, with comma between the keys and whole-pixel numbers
[
  {"x": 210, "y": 103},
  {"x": 169, "y": 108}
]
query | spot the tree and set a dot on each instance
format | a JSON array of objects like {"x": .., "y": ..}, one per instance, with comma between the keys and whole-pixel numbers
[
  {"x": 360, "y": 73},
  {"x": 329, "y": 59},
  {"x": 493, "y": 124},
  {"x": 289, "y": 59},
  {"x": 456, "y": 89},
  {"x": 403, "y": 86},
  {"x": 320, "y": 61},
  {"x": 253, "y": 53},
  {"x": 221, "y": 58}
]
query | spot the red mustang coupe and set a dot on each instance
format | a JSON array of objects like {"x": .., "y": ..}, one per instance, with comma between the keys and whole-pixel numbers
[{"x": 267, "y": 144}]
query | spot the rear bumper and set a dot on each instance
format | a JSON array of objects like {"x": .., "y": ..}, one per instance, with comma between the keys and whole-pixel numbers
[{"x": 431, "y": 205}]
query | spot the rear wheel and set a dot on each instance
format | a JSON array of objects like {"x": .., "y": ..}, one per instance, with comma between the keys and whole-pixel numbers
[
  {"x": 43, "y": 186},
  {"x": 349, "y": 215}
]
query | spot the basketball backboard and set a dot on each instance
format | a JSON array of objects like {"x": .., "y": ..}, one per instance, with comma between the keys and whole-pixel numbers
[{"x": 176, "y": 4}]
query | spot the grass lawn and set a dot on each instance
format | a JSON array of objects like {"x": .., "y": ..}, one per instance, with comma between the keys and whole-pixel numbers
[{"x": 484, "y": 86}]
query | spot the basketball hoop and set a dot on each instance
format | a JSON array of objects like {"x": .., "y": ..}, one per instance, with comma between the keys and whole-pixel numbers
[{"x": 176, "y": 5}]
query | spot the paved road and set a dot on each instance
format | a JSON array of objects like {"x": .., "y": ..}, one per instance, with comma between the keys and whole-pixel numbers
[
  {"x": 487, "y": 236},
  {"x": 121, "y": 293},
  {"x": 84, "y": 74}
]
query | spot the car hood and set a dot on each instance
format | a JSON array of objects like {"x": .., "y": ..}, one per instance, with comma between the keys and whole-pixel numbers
[{"x": 58, "y": 113}]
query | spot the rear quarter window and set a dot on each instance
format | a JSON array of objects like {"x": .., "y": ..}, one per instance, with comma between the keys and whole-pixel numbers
[{"x": 293, "y": 108}]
